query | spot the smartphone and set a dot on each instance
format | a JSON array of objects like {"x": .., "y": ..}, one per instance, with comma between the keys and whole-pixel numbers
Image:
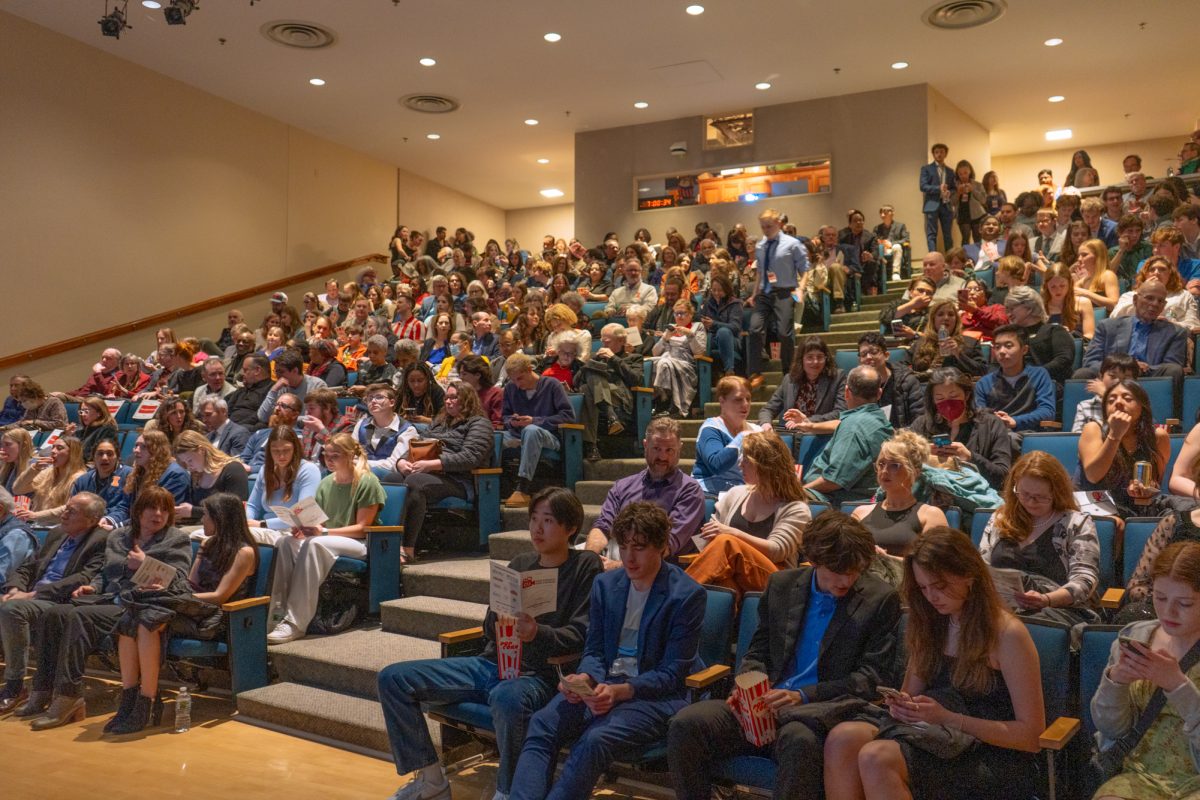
[
  {"x": 963, "y": 297},
  {"x": 941, "y": 440},
  {"x": 897, "y": 327},
  {"x": 1127, "y": 642},
  {"x": 888, "y": 693}
]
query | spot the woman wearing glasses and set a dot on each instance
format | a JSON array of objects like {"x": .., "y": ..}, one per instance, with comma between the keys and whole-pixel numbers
[
  {"x": 896, "y": 520},
  {"x": 1040, "y": 531}
]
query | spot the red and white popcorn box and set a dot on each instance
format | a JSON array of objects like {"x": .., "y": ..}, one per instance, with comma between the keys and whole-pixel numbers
[
  {"x": 508, "y": 650},
  {"x": 757, "y": 720},
  {"x": 21, "y": 502}
]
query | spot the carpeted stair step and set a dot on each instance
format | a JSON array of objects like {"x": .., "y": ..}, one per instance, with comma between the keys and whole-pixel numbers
[
  {"x": 592, "y": 493},
  {"x": 611, "y": 469},
  {"x": 506, "y": 545},
  {"x": 308, "y": 710},
  {"x": 714, "y": 409},
  {"x": 456, "y": 579},
  {"x": 426, "y": 617},
  {"x": 349, "y": 662},
  {"x": 518, "y": 518}
]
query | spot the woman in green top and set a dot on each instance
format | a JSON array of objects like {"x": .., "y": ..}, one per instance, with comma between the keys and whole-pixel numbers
[{"x": 351, "y": 497}]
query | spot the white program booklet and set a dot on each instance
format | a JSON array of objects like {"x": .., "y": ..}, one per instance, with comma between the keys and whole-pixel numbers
[
  {"x": 514, "y": 593},
  {"x": 304, "y": 514},
  {"x": 154, "y": 571},
  {"x": 1008, "y": 584},
  {"x": 1098, "y": 504}
]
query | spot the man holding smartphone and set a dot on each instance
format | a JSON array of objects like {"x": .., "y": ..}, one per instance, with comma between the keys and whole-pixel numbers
[{"x": 782, "y": 260}]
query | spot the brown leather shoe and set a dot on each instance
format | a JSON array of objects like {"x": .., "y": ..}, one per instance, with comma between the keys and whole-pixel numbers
[
  {"x": 36, "y": 704},
  {"x": 10, "y": 703},
  {"x": 63, "y": 709},
  {"x": 756, "y": 380},
  {"x": 517, "y": 500}
]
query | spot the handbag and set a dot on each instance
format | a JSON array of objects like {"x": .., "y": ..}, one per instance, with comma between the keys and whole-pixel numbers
[
  {"x": 424, "y": 449},
  {"x": 1107, "y": 762}
]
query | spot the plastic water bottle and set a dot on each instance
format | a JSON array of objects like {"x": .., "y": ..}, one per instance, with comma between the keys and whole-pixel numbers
[{"x": 183, "y": 711}]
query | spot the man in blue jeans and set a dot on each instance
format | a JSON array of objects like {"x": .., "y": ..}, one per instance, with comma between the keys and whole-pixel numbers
[
  {"x": 555, "y": 517},
  {"x": 937, "y": 187},
  {"x": 534, "y": 407},
  {"x": 642, "y": 637}
]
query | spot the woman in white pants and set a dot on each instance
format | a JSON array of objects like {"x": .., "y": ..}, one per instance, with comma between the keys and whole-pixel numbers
[{"x": 351, "y": 496}]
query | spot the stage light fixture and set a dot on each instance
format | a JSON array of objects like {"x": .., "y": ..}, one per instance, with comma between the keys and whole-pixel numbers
[
  {"x": 115, "y": 21},
  {"x": 177, "y": 11}
]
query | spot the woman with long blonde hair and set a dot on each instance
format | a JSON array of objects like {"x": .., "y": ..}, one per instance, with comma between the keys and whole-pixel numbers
[
  {"x": 351, "y": 496},
  {"x": 16, "y": 451},
  {"x": 1065, "y": 307},
  {"x": 933, "y": 349},
  {"x": 1093, "y": 278},
  {"x": 212, "y": 471},
  {"x": 757, "y": 527},
  {"x": 48, "y": 481},
  {"x": 972, "y": 667}
]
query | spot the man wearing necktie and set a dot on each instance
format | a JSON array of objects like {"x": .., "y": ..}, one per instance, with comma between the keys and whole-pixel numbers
[
  {"x": 1158, "y": 345},
  {"x": 782, "y": 259},
  {"x": 937, "y": 186}
]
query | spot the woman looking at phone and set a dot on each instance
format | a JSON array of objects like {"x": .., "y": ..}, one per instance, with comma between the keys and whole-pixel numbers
[
  {"x": 903, "y": 317},
  {"x": 959, "y": 430},
  {"x": 942, "y": 344}
]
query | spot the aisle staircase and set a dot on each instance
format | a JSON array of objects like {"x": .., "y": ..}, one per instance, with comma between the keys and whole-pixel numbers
[{"x": 326, "y": 688}]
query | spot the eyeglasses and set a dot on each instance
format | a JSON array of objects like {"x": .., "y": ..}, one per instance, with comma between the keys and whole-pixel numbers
[
  {"x": 378, "y": 398},
  {"x": 1036, "y": 499},
  {"x": 891, "y": 467},
  {"x": 873, "y": 353},
  {"x": 287, "y": 407}
]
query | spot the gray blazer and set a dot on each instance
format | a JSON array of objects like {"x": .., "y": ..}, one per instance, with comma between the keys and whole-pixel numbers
[
  {"x": 1166, "y": 344},
  {"x": 831, "y": 399},
  {"x": 978, "y": 201}
]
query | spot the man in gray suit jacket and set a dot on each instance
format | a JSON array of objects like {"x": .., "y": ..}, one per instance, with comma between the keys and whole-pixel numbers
[
  {"x": 1158, "y": 345},
  {"x": 225, "y": 434}
]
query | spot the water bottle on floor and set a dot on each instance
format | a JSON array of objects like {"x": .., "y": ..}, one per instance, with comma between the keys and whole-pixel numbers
[{"x": 183, "y": 711}]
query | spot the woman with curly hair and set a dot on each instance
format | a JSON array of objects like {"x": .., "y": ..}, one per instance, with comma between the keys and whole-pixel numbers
[
  {"x": 941, "y": 343},
  {"x": 153, "y": 465},
  {"x": 174, "y": 416},
  {"x": 1109, "y": 450},
  {"x": 530, "y": 328}
]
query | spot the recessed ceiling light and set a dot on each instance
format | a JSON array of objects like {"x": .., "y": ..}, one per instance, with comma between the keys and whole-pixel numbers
[
  {"x": 900, "y": 65},
  {"x": 762, "y": 87},
  {"x": 1056, "y": 98},
  {"x": 1055, "y": 42},
  {"x": 695, "y": 11},
  {"x": 551, "y": 193},
  {"x": 531, "y": 122},
  {"x": 316, "y": 81},
  {"x": 553, "y": 37},
  {"x": 433, "y": 136},
  {"x": 1059, "y": 135},
  {"x": 427, "y": 62},
  {"x": 151, "y": 4},
  {"x": 543, "y": 161},
  {"x": 641, "y": 104}
]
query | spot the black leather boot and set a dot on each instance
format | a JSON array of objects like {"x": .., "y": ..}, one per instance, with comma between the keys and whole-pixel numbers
[
  {"x": 128, "y": 698},
  {"x": 138, "y": 716}
]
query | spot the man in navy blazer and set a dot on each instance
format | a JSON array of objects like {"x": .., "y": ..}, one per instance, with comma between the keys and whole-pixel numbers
[
  {"x": 1158, "y": 345},
  {"x": 937, "y": 185},
  {"x": 1099, "y": 226},
  {"x": 642, "y": 639}
]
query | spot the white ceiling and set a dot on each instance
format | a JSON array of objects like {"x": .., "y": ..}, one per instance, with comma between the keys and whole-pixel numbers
[{"x": 492, "y": 58}]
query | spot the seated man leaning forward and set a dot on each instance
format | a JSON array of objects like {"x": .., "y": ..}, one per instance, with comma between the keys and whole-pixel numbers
[
  {"x": 642, "y": 638},
  {"x": 534, "y": 407},
  {"x": 826, "y": 632},
  {"x": 555, "y": 517}
]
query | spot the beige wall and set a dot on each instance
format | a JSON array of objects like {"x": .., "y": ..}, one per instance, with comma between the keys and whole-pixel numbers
[
  {"x": 1018, "y": 173},
  {"x": 876, "y": 140},
  {"x": 127, "y": 193},
  {"x": 423, "y": 205},
  {"x": 529, "y": 225},
  {"x": 965, "y": 137}
]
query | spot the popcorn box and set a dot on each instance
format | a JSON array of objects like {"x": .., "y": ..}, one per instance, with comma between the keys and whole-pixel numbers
[
  {"x": 508, "y": 650},
  {"x": 758, "y": 721},
  {"x": 22, "y": 502}
]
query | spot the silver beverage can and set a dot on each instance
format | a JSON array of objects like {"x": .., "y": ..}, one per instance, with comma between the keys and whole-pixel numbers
[{"x": 1143, "y": 472}]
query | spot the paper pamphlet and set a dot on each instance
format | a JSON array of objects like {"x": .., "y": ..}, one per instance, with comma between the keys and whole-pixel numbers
[
  {"x": 633, "y": 337},
  {"x": 44, "y": 447},
  {"x": 1008, "y": 584},
  {"x": 1098, "y": 504},
  {"x": 154, "y": 571},
  {"x": 579, "y": 687},
  {"x": 514, "y": 593},
  {"x": 304, "y": 514}
]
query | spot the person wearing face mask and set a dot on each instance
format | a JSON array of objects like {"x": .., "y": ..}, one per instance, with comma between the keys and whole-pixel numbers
[{"x": 959, "y": 430}]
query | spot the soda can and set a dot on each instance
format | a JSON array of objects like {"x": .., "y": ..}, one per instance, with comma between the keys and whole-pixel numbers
[
  {"x": 1143, "y": 472},
  {"x": 508, "y": 650}
]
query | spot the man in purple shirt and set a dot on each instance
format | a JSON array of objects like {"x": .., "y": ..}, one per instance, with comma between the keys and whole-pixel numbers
[{"x": 661, "y": 483}]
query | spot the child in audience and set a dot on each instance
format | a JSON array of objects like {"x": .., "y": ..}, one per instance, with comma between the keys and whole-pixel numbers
[
  {"x": 972, "y": 667},
  {"x": 1117, "y": 367},
  {"x": 555, "y": 517}
]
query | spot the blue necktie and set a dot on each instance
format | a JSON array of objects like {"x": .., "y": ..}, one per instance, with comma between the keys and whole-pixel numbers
[{"x": 1139, "y": 338}]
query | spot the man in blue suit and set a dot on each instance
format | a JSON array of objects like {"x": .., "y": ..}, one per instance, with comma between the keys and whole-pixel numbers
[
  {"x": 1099, "y": 226},
  {"x": 782, "y": 260},
  {"x": 1158, "y": 345},
  {"x": 642, "y": 638},
  {"x": 937, "y": 185}
]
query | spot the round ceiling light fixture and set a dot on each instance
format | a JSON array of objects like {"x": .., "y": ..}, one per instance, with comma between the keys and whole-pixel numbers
[
  {"x": 543, "y": 161},
  {"x": 900, "y": 65},
  {"x": 763, "y": 86},
  {"x": 1055, "y": 42},
  {"x": 531, "y": 122},
  {"x": 695, "y": 10},
  {"x": 299, "y": 34},
  {"x": 641, "y": 104},
  {"x": 427, "y": 62},
  {"x": 1056, "y": 98},
  {"x": 957, "y": 15},
  {"x": 553, "y": 37},
  {"x": 316, "y": 81},
  {"x": 433, "y": 137}
]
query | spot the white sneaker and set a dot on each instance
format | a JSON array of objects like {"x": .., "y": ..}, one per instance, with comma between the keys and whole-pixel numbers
[
  {"x": 420, "y": 789},
  {"x": 499, "y": 795},
  {"x": 284, "y": 632}
]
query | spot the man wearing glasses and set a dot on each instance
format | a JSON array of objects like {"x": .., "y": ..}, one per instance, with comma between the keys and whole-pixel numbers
[
  {"x": 289, "y": 366},
  {"x": 383, "y": 434},
  {"x": 845, "y": 470},
  {"x": 286, "y": 413}
]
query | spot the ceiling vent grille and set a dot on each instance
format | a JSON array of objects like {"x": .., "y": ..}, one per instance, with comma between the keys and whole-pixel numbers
[
  {"x": 429, "y": 103},
  {"x": 958, "y": 15},
  {"x": 296, "y": 33}
]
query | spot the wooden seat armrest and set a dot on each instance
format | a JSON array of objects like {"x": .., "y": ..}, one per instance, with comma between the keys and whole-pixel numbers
[
  {"x": 571, "y": 426},
  {"x": 458, "y": 637},
  {"x": 1050, "y": 425},
  {"x": 686, "y": 561},
  {"x": 384, "y": 529},
  {"x": 1059, "y": 733},
  {"x": 707, "y": 677},
  {"x": 705, "y": 358},
  {"x": 487, "y": 471},
  {"x": 565, "y": 658},
  {"x": 1112, "y": 598},
  {"x": 645, "y": 389},
  {"x": 249, "y": 602}
]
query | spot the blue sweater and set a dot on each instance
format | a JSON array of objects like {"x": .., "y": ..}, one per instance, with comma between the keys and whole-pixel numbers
[
  {"x": 1030, "y": 401},
  {"x": 549, "y": 405},
  {"x": 111, "y": 490},
  {"x": 305, "y": 485},
  {"x": 717, "y": 453}
]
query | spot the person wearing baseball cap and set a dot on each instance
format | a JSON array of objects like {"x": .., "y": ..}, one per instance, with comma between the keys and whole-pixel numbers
[{"x": 278, "y": 301}]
